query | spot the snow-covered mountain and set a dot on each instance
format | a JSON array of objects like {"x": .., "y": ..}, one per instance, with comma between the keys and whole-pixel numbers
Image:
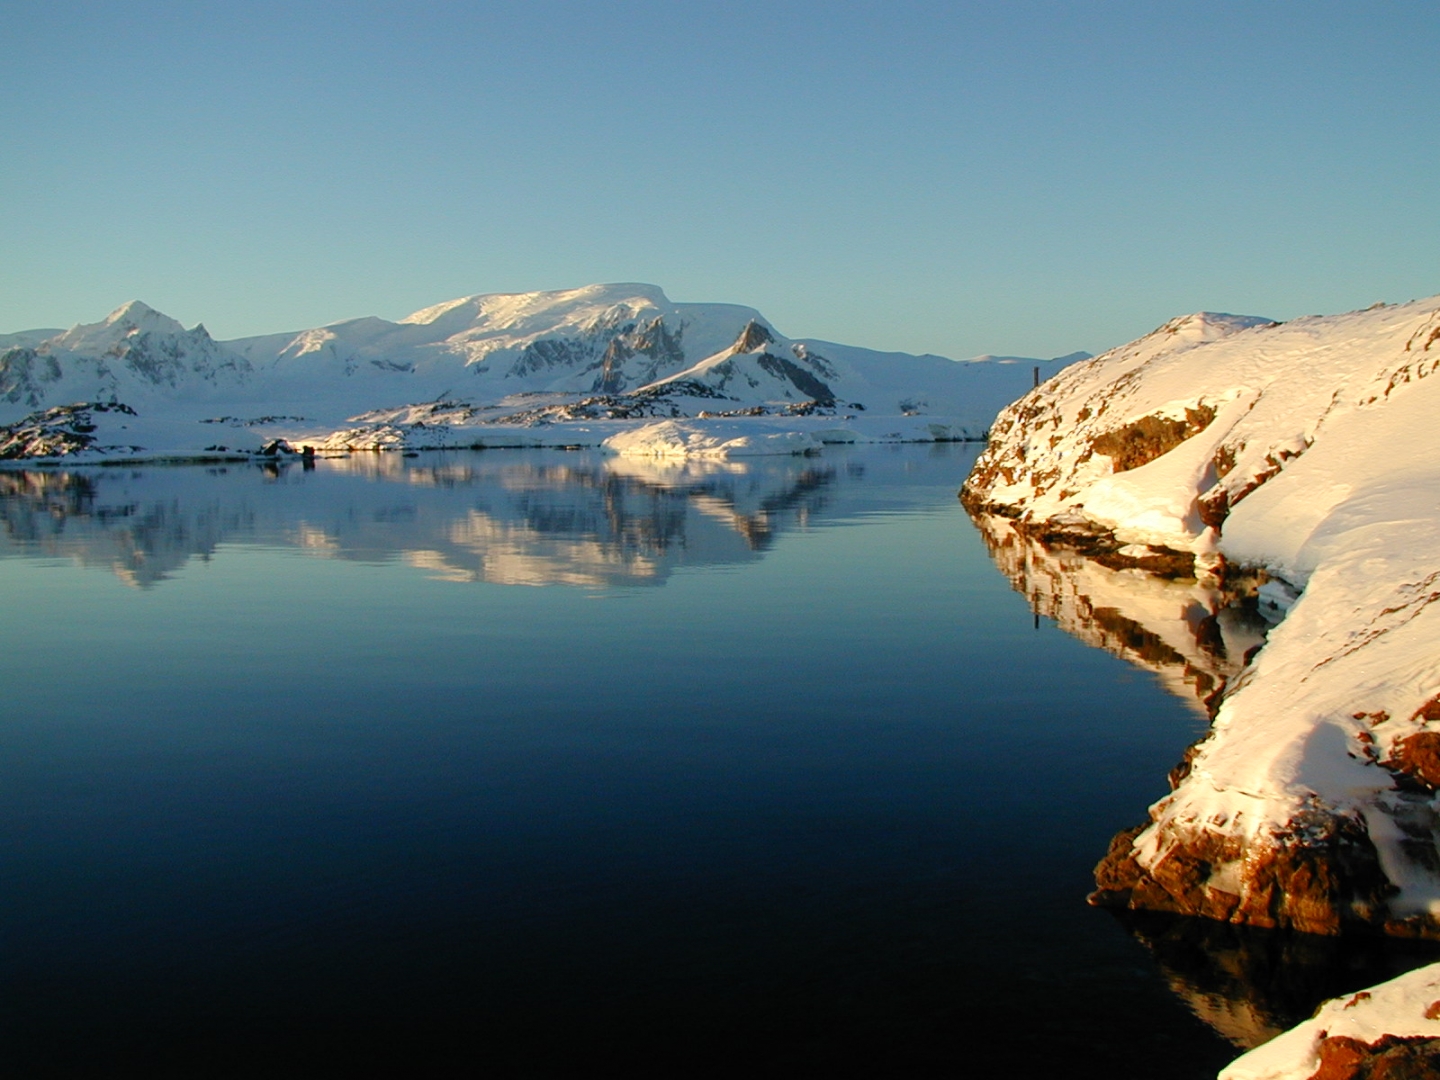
[
  {"x": 1307, "y": 454},
  {"x": 620, "y": 352},
  {"x": 599, "y": 339},
  {"x": 136, "y": 356}
]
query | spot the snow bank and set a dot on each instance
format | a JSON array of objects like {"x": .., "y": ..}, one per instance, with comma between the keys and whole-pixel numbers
[
  {"x": 1307, "y": 450},
  {"x": 1350, "y": 1028},
  {"x": 702, "y": 439}
]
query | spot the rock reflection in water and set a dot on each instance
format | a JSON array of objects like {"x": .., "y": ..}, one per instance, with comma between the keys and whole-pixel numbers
[
  {"x": 1250, "y": 984},
  {"x": 1193, "y": 635},
  {"x": 1247, "y": 984},
  {"x": 531, "y": 518}
]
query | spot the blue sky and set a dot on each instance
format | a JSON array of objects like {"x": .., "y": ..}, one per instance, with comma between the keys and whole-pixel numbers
[{"x": 957, "y": 178}]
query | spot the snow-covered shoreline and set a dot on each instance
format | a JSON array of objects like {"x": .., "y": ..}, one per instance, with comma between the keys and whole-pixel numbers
[
  {"x": 1307, "y": 456},
  {"x": 116, "y": 435},
  {"x": 1397, "y": 1021},
  {"x": 1307, "y": 451}
]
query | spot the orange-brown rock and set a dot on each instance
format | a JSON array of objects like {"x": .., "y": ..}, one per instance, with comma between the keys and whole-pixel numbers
[
  {"x": 1418, "y": 756},
  {"x": 1322, "y": 877},
  {"x": 1118, "y": 872},
  {"x": 1148, "y": 438},
  {"x": 1391, "y": 1057}
]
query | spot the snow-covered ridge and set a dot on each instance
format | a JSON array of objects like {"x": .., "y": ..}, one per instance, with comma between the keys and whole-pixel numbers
[
  {"x": 1308, "y": 450},
  {"x": 492, "y": 369}
]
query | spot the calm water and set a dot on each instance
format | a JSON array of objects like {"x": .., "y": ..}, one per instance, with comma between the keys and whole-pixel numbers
[{"x": 539, "y": 761}]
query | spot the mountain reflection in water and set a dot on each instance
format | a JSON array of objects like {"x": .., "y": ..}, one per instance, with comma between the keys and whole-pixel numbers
[
  {"x": 1247, "y": 984},
  {"x": 518, "y": 518}
]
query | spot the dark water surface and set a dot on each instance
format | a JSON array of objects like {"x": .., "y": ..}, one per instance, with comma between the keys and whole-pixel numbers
[{"x": 777, "y": 777}]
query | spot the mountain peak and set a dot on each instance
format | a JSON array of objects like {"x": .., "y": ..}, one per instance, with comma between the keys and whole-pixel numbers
[
  {"x": 753, "y": 337},
  {"x": 135, "y": 315},
  {"x": 133, "y": 311},
  {"x": 131, "y": 318}
]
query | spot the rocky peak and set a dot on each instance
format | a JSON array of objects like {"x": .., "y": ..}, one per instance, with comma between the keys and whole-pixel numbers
[{"x": 753, "y": 338}]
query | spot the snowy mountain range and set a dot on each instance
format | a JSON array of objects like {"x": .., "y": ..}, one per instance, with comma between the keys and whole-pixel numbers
[{"x": 604, "y": 352}]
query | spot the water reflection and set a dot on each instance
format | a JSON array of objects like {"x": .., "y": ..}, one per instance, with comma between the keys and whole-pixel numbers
[
  {"x": 1193, "y": 635},
  {"x": 1247, "y": 984},
  {"x": 96, "y": 520},
  {"x": 517, "y": 518}
]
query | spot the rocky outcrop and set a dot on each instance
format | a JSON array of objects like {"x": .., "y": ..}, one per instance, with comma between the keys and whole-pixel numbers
[
  {"x": 1319, "y": 876},
  {"x": 1304, "y": 458},
  {"x": 753, "y": 338},
  {"x": 1388, "y": 1032},
  {"x": 1390, "y": 1057},
  {"x": 58, "y": 432},
  {"x": 1142, "y": 441}
]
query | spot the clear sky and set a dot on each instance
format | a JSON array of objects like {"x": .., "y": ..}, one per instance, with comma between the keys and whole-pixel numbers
[{"x": 959, "y": 178}]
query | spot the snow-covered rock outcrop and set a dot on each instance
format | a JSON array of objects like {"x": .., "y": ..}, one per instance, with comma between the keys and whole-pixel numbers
[
  {"x": 1391, "y": 1030},
  {"x": 491, "y": 370},
  {"x": 1308, "y": 450}
]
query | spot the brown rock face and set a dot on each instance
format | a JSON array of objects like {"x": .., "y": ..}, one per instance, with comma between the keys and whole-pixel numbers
[
  {"x": 1322, "y": 877},
  {"x": 1118, "y": 873},
  {"x": 752, "y": 338},
  {"x": 1391, "y": 1057},
  {"x": 1149, "y": 437},
  {"x": 1214, "y": 506},
  {"x": 1418, "y": 756}
]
